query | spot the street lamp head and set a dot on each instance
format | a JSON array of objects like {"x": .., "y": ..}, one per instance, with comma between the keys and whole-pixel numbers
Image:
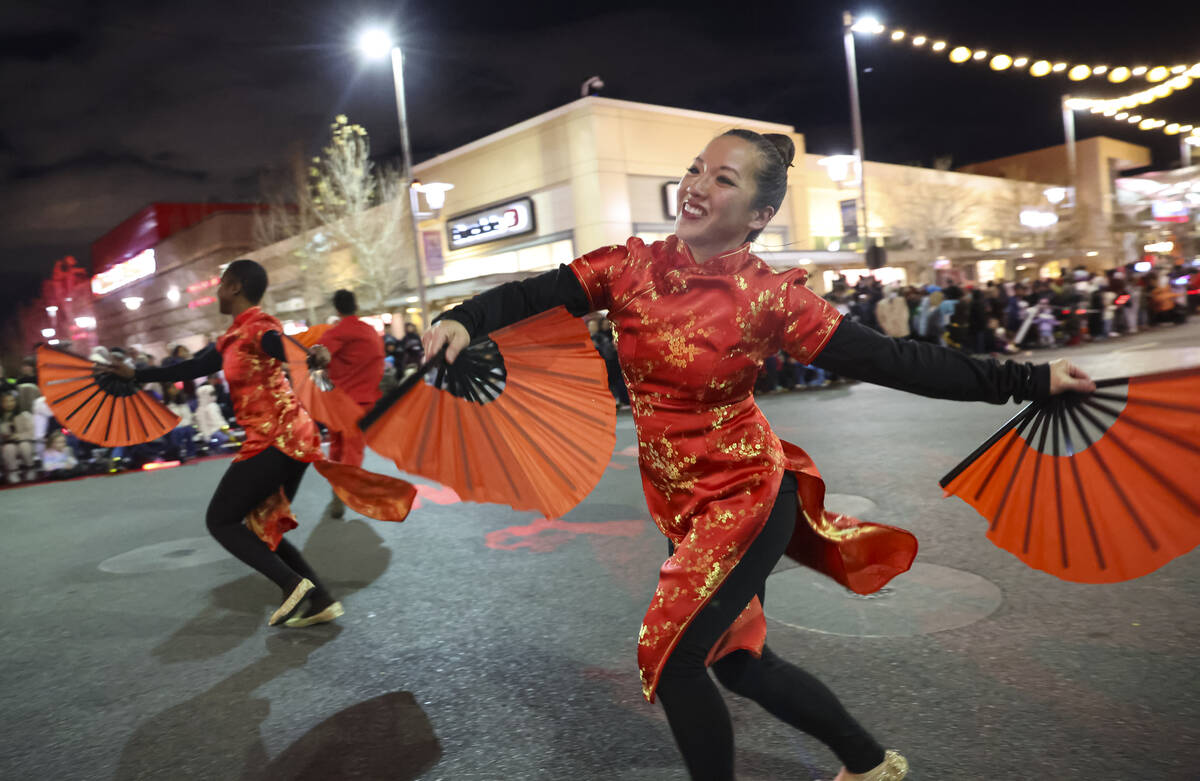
[
  {"x": 840, "y": 168},
  {"x": 435, "y": 193},
  {"x": 375, "y": 43},
  {"x": 867, "y": 24}
]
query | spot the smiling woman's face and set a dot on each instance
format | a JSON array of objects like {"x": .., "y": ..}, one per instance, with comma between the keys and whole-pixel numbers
[{"x": 716, "y": 197}]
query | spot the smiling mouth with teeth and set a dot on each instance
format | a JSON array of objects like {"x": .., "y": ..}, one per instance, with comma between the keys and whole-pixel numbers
[{"x": 693, "y": 210}]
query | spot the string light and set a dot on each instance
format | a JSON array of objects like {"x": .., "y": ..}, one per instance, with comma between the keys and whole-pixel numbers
[
  {"x": 1117, "y": 108},
  {"x": 1079, "y": 73},
  {"x": 1075, "y": 72}
]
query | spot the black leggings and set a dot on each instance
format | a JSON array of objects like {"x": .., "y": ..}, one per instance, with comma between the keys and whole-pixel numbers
[
  {"x": 695, "y": 710},
  {"x": 246, "y": 485}
]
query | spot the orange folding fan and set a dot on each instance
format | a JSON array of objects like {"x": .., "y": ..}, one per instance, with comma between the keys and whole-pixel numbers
[
  {"x": 1094, "y": 488},
  {"x": 316, "y": 392},
  {"x": 98, "y": 407},
  {"x": 524, "y": 418}
]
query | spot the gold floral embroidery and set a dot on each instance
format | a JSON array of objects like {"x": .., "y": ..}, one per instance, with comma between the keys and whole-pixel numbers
[
  {"x": 666, "y": 468},
  {"x": 711, "y": 581}
]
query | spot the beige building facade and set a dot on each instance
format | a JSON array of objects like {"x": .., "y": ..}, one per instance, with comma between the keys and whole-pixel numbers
[{"x": 597, "y": 171}]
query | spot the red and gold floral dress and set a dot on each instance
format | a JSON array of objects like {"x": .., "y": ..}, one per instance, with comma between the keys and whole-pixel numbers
[
  {"x": 267, "y": 409},
  {"x": 691, "y": 337}
]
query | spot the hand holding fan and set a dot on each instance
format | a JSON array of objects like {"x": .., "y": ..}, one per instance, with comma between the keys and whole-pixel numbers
[
  {"x": 316, "y": 392},
  {"x": 524, "y": 418}
]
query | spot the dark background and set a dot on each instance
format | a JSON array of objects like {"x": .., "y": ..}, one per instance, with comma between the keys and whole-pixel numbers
[{"x": 108, "y": 106}]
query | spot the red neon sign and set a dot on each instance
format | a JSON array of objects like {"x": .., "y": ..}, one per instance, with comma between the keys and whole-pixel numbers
[
  {"x": 202, "y": 301},
  {"x": 203, "y": 284}
]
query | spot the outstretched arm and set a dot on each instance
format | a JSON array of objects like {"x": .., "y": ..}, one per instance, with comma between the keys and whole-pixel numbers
[
  {"x": 204, "y": 363},
  {"x": 931, "y": 370},
  {"x": 504, "y": 305}
]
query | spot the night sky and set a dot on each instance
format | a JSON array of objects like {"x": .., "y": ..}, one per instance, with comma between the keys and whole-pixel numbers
[{"x": 108, "y": 106}]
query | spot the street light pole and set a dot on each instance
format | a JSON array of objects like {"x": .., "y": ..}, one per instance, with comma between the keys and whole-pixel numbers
[
  {"x": 863, "y": 230},
  {"x": 407, "y": 178}
]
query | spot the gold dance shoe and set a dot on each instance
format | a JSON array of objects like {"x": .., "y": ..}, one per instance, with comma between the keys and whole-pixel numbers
[
  {"x": 328, "y": 614},
  {"x": 289, "y": 604},
  {"x": 893, "y": 768}
]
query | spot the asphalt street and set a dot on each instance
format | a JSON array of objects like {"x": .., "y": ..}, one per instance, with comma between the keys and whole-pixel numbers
[{"x": 483, "y": 643}]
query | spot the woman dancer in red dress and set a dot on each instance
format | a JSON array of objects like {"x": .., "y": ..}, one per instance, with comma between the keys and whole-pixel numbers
[{"x": 694, "y": 316}]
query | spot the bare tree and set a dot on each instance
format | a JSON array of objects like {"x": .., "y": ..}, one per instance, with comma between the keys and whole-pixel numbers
[
  {"x": 365, "y": 208},
  {"x": 341, "y": 220},
  {"x": 927, "y": 210},
  {"x": 1004, "y": 214}
]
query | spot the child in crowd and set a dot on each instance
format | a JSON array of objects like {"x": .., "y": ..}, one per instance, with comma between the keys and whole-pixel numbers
[
  {"x": 212, "y": 425},
  {"x": 58, "y": 462}
]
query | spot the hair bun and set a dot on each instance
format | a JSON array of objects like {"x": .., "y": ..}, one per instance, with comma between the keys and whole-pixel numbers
[{"x": 782, "y": 144}]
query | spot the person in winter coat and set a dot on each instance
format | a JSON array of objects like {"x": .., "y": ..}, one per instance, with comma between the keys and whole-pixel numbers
[
  {"x": 209, "y": 421},
  {"x": 892, "y": 314},
  {"x": 182, "y": 438},
  {"x": 16, "y": 440}
]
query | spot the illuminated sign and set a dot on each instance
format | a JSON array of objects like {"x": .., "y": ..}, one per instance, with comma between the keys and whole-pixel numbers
[
  {"x": 138, "y": 267},
  {"x": 498, "y": 222},
  {"x": 203, "y": 284},
  {"x": 1169, "y": 211},
  {"x": 205, "y": 301}
]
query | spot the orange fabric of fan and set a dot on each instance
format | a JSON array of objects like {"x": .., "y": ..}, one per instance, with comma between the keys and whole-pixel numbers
[
  {"x": 1095, "y": 488},
  {"x": 97, "y": 407},
  {"x": 317, "y": 393},
  {"x": 525, "y": 419},
  {"x": 312, "y": 335}
]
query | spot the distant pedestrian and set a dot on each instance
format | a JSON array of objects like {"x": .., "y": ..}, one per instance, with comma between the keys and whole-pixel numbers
[{"x": 354, "y": 353}]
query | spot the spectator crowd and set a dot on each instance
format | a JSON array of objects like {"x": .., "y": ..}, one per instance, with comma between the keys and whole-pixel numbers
[{"x": 999, "y": 318}]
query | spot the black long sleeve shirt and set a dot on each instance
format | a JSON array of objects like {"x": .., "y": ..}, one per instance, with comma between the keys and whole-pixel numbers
[
  {"x": 852, "y": 351},
  {"x": 207, "y": 361}
]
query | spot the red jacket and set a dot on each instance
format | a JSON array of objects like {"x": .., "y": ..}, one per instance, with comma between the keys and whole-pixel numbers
[{"x": 357, "y": 363}]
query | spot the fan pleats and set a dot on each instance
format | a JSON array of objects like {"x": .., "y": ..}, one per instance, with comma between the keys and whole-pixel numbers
[
  {"x": 536, "y": 435},
  {"x": 99, "y": 409},
  {"x": 1094, "y": 488}
]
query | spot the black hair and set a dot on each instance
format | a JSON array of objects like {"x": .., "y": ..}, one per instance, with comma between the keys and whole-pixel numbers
[
  {"x": 775, "y": 153},
  {"x": 344, "y": 302},
  {"x": 252, "y": 276}
]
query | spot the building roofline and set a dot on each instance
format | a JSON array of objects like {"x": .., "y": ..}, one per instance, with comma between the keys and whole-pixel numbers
[{"x": 597, "y": 102}]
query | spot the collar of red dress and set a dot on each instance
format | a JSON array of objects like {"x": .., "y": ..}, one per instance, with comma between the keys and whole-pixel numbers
[
  {"x": 245, "y": 317},
  {"x": 728, "y": 262}
]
